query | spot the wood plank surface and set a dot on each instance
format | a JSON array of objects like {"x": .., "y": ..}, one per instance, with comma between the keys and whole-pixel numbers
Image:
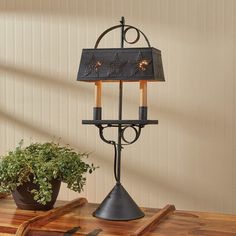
[
  {"x": 154, "y": 220},
  {"x": 11, "y": 217},
  {"x": 176, "y": 224},
  {"x": 48, "y": 216},
  {"x": 80, "y": 220}
]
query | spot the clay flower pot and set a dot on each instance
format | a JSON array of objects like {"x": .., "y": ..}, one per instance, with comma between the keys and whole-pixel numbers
[
  {"x": 24, "y": 199},
  {"x": 33, "y": 174}
]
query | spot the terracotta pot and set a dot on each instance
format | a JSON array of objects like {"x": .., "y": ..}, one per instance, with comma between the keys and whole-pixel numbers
[{"x": 25, "y": 200}]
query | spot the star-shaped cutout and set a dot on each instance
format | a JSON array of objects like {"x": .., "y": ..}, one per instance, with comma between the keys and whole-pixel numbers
[
  {"x": 116, "y": 66},
  {"x": 141, "y": 64},
  {"x": 92, "y": 66}
]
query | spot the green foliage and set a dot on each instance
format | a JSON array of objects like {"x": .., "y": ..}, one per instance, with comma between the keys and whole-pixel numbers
[{"x": 43, "y": 162}]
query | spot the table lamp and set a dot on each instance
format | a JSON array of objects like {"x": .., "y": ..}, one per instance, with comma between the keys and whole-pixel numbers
[{"x": 136, "y": 64}]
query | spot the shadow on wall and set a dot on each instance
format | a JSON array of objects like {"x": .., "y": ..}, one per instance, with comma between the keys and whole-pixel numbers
[
  {"x": 140, "y": 174},
  {"x": 178, "y": 115},
  {"x": 183, "y": 120},
  {"x": 197, "y": 118},
  {"x": 62, "y": 8},
  {"x": 44, "y": 79},
  {"x": 54, "y": 81},
  {"x": 96, "y": 10},
  {"x": 38, "y": 7}
]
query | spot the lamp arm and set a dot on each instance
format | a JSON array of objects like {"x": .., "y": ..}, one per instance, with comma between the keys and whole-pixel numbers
[{"x": 101, "y": 128}]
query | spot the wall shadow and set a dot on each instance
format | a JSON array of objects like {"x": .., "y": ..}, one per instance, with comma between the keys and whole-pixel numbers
[
  {"x": 45, "y": 79},
  {"x": 140, "y": 175},
  {"x": 201, "y": 118},
  {"x": 55, "y": 7}
]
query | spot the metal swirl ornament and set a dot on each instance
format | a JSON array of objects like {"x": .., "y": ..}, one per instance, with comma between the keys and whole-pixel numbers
[
  {"x": 137, "y": 131},
  {"x": 137, "y": 36}
]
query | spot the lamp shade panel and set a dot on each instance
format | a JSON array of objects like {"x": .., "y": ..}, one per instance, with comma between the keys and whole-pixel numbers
[{"x": 126, "y": 64}]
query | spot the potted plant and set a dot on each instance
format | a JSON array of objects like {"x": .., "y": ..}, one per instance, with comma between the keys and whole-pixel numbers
[{"x": 33, "y": 174}]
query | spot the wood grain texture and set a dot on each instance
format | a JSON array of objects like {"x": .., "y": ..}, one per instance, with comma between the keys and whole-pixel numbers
[
  {"x": 178, "y": 223},
  {"x": 48, "y": 216},
  {"x": 154, "y": 220}
]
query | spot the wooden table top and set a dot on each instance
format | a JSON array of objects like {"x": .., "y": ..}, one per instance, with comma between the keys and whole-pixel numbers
[{"x": 176, "y": 223}]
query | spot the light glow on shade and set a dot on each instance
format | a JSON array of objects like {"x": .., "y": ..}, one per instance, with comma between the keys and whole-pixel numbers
[
  {"x": 142, "y": 65},
  {"x": 97, "y": 65}
]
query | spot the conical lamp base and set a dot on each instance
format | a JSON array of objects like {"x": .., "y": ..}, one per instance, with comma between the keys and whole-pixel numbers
[{"x": 118, "y": 205}]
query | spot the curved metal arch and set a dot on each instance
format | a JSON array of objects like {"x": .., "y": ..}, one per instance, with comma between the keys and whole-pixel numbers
[{"x": 125, "y": 31}]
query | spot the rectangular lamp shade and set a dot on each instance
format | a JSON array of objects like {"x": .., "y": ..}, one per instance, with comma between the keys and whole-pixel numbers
[{"x": 126, "y": 64}]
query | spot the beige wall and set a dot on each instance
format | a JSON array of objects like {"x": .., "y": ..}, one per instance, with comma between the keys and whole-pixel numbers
[{"x": 189, "y": 158}]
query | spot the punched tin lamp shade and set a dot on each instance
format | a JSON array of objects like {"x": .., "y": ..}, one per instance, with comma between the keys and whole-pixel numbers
[{"x": 126, "y": 64}]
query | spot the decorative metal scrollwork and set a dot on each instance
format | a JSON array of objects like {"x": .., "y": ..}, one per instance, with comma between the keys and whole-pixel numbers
[
  {"x": 135, "y": 128},
  {"x": 101, "y": 128},
  {"x": 126, "y": 29},
  {"x": 137, "y": 37}
]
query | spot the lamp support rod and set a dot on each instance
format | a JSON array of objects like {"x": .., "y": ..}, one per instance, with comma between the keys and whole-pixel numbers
[{"x": 119, "y": 145}]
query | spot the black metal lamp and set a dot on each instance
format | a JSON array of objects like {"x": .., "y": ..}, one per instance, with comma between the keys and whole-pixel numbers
[{"x": 120, "y": 65}]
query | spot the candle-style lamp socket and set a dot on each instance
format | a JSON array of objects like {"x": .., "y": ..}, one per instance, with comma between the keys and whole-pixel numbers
[{"x": 97, "y": 113}]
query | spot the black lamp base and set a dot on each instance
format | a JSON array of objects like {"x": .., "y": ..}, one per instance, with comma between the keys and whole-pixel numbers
[{"x": 118, "y": 206}]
